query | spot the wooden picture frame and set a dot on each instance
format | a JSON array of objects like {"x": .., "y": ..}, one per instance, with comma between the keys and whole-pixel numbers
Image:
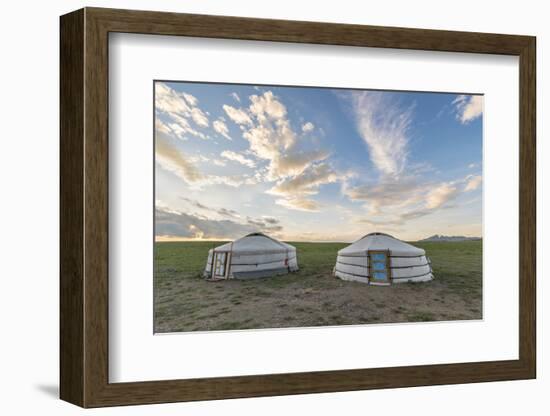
[{"x": 84, "y": 207}]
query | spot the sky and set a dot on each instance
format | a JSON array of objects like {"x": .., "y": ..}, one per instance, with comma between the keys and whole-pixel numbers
[{"x": 315, "y": 164}]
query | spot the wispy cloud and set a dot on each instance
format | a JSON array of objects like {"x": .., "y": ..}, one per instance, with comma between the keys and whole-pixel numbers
[
  {"x": 175, "y": 161},
  {"x": 170, "y": 158},
  {"x": 265, "y": 223},
  {"x": 297, "y": 190},
  {"x": 171, "y": 223},
  {"x": 168, "y": 100},
  {"x": 239, "y": 116},
  {"x": 299, "y": 204},
  {"x": 396, "y": 203},
  {"x": 401, "y": 192},
  {"x": 219, "y": 162},
  {"x": 387, "y": 195},
  {"x": 440, "y": 195},
  {"x": 221, "y": 128},
  {"x": 199, "y": 117},
  {"x": 236, "y": 97},
  {"x": 468, "y": 107},
  {"x": 237, "y": 157},
  {"x": 191, "y": 99},
  {"x": 383, "y": 124},
  {"x": 180, "y": 109},
  {"x": 307, "y": 127},
  {"x": 223, "y": 212},
  {"x": 307, "y": 183},
  {"x": 473, "y": 182}
]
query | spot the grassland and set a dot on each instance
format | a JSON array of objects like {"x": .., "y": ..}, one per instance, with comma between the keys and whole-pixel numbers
[{"x": 184, "y": 301}]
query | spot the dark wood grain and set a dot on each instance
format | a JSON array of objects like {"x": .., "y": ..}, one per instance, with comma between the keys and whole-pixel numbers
[
  {"x": 71, "y": 185},
  {"x": 84, "y": 207},
  {"x": 527, "y": 208}
]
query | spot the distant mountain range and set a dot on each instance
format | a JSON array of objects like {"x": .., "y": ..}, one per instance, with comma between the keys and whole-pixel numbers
[{"x": 438, "y": 237}]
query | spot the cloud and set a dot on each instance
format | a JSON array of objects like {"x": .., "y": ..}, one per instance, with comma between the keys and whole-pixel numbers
[
  {"x": 239, "y": 116},
  {"x": 234, "y": 180},
  {"x": 162, "y": 127},
  {"x": 175, "y": 224},
  {"x": 383, "y": 125},
  {"x": 269, "y": 133},
  {"x": 228, "y": 212},
  {"x": 473, "y": 182},
  {"x": 193, "y": 202},
  {"x": 183, "y": 225},
  {"x": 221, "y": 128},
  {"x": 402, "y": 192},
  {"x": 387, "y": 194},
  {"x": 219, "y": 162},
  {"x": 307, "y": 183},
  {"x": 265, "y": 223},
  {"x": 199, "y": 117},
  {"x": 270, "y": 141},
  {"x": 237, "y": 157},
  {"x": 224, "y": 212},
  {"x": 192, "y": 100},
  {"x": 175, "y": 161},
  {"x": 198, "y": 159},
  {"x": 394, "y": 203},
  {"x": 439, "y": 195},
  {"x": 299, "y": 204},
  {"x": 267, "y": 105},
  {"x": 468, "y": 107},
  {"x": 307, "y": 127},
  {"x": 178, "y": 127},
  {"x": 170, "y": 101},
  {"x": 236, "y": 97},
  {"x": 294, "y": 163},
  {"x": 290, "y": 162},
  {"x": 179, "y": 108}
]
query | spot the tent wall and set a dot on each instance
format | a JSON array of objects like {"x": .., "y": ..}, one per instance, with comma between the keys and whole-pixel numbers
[
  {"x": 277, "y": 263},
  {"x": 354, "y": 260},
  {"x": 397, "y": 261},
  {"x": 351, "y": 277},
  {"x": 258, "y": 258},
  {"x": 410, "y": 271},
  {"x": 424, "y": 278},
  {"x": 248, "y": 264},
  {"x": 402, "y": 268},
  {"x": 260, "y": 273},
  {"x": 352, "y": 269}
]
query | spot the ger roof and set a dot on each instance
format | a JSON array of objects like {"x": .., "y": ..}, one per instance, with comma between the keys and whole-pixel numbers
[
  {"x": 381, "y": 241},
  {"x": 256, "y": 243}
]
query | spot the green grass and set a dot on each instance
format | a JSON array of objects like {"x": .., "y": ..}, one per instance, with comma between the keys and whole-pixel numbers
[
  {"x": 184, "y": 301},
  {"x": 458, "y": 265}
]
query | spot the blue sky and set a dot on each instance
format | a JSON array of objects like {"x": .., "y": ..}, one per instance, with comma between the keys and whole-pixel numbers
[{"x": 315, "y": 164}]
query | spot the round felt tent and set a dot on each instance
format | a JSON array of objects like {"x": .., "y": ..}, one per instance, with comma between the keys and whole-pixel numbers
[
  {"x": 252, "y": 256},
  {"x": 381, "y": 259}
]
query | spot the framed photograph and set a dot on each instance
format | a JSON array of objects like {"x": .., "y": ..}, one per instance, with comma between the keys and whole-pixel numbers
[{"x": 256, "y": 207}]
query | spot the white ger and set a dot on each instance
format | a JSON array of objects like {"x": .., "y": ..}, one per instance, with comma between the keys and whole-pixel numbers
[
  {"x": 254, "y": 255},
  {"x": 380, "y": 259}
]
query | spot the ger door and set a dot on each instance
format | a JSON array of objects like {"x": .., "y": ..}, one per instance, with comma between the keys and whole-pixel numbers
[
  {"x": 379, "y": 270},
  {"x": 220, "y": 265}
]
